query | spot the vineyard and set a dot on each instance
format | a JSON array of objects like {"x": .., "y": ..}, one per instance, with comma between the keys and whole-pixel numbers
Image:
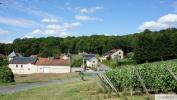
[{"x": 158, "y": 77}]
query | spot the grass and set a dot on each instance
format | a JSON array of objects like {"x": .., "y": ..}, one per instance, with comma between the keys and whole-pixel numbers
[
  {"x": 113, "y": 63},
  {"x": 81, "y": 90},
  {"x": 31, "y": 78}
]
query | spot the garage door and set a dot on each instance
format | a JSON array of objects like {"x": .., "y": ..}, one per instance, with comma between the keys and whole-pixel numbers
[{"x": 46, "y": 70}]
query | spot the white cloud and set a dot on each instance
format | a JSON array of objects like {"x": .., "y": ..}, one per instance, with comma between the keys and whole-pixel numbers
[
  {"x": 54, "y": 30},
  {"x": 27, "y": 36},
  {"x": 7, "y": 42},
  {"x": 46, "y": 32},
  {"x": 54, "y": 27},
  {"x": 63, "y": 27},
  {"x": 36, "y": 32},
  {"x": 28, "y": 8},
  {"x": 49, "y": 20},
  {"x": 4, "y": 32},
  {"x": 18, "y": 22},
  {"x": 166, "y": 21},
  {"x": 84, "y": 18},
  {"x": 91, "y": 10}
]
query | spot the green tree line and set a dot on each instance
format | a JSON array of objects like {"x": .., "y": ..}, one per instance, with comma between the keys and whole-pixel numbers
[
  {"x": 147, "y": 45},
  {"x": 154, "y": 46},
  {"x": 50, "y": 46}
]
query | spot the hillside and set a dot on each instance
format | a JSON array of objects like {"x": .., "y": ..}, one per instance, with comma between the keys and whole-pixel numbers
[{"x": 158, "y": 77}]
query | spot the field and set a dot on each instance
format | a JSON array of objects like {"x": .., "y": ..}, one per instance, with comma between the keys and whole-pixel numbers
[
  {"x": 81, "y": 90},
  {"x": 158, "y": 77}
]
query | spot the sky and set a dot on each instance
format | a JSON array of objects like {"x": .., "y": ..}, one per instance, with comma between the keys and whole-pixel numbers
[{"x": 62, "y": 18}]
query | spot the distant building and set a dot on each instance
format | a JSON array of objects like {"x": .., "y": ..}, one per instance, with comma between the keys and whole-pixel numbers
[
  {"x": 91, "y": 60},
  {"x": 51, "y": 65},
  {"x": 2, "y": 56},
  {"x": 112, "y": 54},
  {"x": 30, "y": 65},
  {"x": 12, "y": 55}
]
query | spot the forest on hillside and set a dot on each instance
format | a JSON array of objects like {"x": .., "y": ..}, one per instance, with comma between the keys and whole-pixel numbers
[
  {"x": 50, "y": 46},
  {"x": 147, "y": 45}
]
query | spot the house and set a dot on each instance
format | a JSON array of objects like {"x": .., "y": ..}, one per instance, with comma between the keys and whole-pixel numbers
[
  {"x": 13, "y": 55},
  {"x": 51, "y": 65},
  {"x": 23, "y": 65},
  {"x": 91, "y": 60},
  {"x": 112, "y": 54},
  {"x": 2, "y": 56},
  {"x": 30, "y": 65}
]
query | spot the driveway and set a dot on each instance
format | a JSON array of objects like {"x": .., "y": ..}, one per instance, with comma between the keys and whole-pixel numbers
[{"x": 25, "y": 86}]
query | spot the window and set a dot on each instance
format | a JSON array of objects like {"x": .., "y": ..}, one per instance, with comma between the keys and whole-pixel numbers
[
  {"x": 28, "y": 68},
  {"x": 16, "y": 66},
  {"x": 93, "y": 61},
  {"x": 119, "y": 52},
  {"x": 21, "y": 66}
]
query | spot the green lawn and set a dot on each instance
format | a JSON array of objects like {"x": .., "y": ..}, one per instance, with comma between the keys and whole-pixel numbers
[
  {"x": 31, "y": 78},
  {"x": 81, "y": 90}
]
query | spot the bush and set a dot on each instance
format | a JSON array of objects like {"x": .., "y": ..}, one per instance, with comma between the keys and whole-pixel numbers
[
  {"x": 3, "y": 62},
  {"x": 155, "y": 77},
  {"x": 76, "y": 61},
  {"x": 6, "y": 75}
]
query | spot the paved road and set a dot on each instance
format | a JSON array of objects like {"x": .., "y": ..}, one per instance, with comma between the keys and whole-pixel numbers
[
  {"x": 25, "y": 86},
  {"x": 105, "y": 68}
]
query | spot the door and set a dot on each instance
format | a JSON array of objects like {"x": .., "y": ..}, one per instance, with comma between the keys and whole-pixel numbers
[{"x": 46, "y": 70}]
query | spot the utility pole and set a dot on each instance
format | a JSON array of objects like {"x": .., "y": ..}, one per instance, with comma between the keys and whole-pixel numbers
[
  {"x": 83, "y": 64},
  {"x": 69, "y": 55}
]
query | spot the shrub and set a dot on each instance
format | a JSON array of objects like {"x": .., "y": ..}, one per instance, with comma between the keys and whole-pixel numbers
[
  {"x": 76, "y": 61},
  {"x": 6, "y": 75}
]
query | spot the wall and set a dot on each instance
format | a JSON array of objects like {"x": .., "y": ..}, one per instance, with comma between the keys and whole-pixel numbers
[
  {"x": 30, "y": 69},
  {"x": 24, "y": 69},
  {"x": 53, "y": 69},
  {"x": 92, "y": 63},
  {"x": 119, "y": 53}
]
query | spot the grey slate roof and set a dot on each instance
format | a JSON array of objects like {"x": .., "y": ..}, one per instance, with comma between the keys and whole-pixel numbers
[
  {"x": 23, "y": 60},
  {"x": 89, "y": 56},
  {"x": 12, "y": 54}
]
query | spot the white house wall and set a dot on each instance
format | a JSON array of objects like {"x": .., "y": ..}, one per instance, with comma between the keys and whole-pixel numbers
[
  {"x": 25, "y": 69},
  {"x": 53, "y": 69},
  {"x": 30, "y": 69},
  {"x": 92, "y": 62},
  {"x": 119, "y": 53}
]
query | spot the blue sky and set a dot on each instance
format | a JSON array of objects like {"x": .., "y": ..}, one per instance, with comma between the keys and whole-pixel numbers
[{"x": 42, "y": 18}]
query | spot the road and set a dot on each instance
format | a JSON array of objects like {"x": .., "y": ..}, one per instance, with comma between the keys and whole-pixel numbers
[
  {"x": 104, "y": 67},
  {"x": 25, "y": 86}
]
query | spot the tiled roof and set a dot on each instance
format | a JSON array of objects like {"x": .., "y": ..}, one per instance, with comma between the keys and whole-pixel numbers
[
  {"x": 23, "y": 60},
  {"x": 52, "y": 62},
  {"x": 89, "y": 56},
  {"x": 110, "y": 52}
]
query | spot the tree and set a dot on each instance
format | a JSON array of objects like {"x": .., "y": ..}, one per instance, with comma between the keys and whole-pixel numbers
[{"x": 6, "y": 75}]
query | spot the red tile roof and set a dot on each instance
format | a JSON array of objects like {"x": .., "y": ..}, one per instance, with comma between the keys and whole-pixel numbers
[{"x": 52, "y": 62}]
